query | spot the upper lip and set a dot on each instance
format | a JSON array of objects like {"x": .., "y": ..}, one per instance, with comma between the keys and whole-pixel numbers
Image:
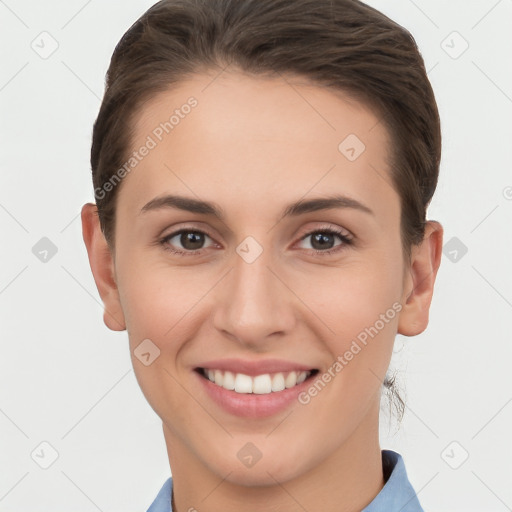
[{"x": 254, "y": 367}]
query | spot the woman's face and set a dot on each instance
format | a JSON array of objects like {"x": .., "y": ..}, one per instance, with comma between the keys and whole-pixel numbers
[{"x": 258, "y": 290}]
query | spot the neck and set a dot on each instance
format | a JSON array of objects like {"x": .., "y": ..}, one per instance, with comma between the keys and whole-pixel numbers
[{"x": 347, "y": 481}]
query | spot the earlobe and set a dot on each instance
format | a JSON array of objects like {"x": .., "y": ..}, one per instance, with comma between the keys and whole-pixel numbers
[
  {"x": 102, "y": 266},
  {"x": 419, "y": 283}
]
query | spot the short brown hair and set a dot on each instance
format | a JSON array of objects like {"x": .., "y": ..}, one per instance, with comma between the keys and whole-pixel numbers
[{"x": 342, "y": 44}]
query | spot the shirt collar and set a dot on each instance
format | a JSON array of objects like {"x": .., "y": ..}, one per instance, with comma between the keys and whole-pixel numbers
[
  {"x": 397, "y": 495},
  {"x": 162, "y": 502}
]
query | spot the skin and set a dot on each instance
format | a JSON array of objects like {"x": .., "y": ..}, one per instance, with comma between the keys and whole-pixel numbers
[{"x": 252, "y": 146}]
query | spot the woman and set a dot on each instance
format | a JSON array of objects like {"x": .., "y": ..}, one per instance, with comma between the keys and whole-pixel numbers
[{"x": 262, "y": 170}]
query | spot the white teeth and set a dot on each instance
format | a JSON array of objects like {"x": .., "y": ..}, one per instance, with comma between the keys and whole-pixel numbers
[
  {"x": 278, "y": 382},
  {"x": 260, "y": 384},
  {"x": 229, "y": 381},
  {"x": 243, "y": 383},
  {"x": 291, "y": 380},
  {"x": 301, "y": 377}
]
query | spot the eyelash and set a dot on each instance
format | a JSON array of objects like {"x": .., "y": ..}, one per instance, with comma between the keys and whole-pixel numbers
[{"x": 332, "y": 231}]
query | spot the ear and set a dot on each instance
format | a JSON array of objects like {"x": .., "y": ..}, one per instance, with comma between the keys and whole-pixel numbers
[
  {"x": 419, "y": 281},
  {"x": 102, "y": 266}
]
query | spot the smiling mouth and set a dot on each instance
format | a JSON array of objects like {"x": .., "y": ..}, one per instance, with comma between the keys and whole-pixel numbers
[{"x": 263, "y": 384}]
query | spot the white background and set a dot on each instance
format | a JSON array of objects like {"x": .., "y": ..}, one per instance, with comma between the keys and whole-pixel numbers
[{"x": 67, "y": 380}]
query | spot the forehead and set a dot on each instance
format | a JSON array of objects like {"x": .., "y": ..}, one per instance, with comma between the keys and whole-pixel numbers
[{"x": 256, "y": 138}]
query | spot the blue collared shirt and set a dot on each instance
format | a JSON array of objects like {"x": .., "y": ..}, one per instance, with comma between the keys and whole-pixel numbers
[{"x": 397, "y": 495}]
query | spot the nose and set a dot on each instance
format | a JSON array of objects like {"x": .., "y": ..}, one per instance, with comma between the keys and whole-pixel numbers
[{"x": 254, "y": 303}]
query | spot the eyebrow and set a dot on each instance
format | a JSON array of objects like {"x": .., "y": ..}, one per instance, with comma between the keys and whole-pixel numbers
[{"x": 294, "y": 209}]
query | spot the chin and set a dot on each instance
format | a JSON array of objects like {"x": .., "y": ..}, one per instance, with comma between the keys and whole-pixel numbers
[{"x": 266, "y": 471}]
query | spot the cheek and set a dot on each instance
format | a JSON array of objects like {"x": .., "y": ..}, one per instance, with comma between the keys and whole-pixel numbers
[
  {"x": 159, "y": 306},
  {"x": 349, "y": 298},
  {"x": 358, "y": 308},
  {"x": 156, "y": 299}
]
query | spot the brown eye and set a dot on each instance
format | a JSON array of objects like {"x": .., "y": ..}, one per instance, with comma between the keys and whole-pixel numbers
[
  {"x": 323, "y": 241},
  {"x": 190, "y": 240}
]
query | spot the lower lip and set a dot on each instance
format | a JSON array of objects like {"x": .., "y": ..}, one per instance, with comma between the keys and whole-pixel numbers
[{"x": 252, "y": 405}]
